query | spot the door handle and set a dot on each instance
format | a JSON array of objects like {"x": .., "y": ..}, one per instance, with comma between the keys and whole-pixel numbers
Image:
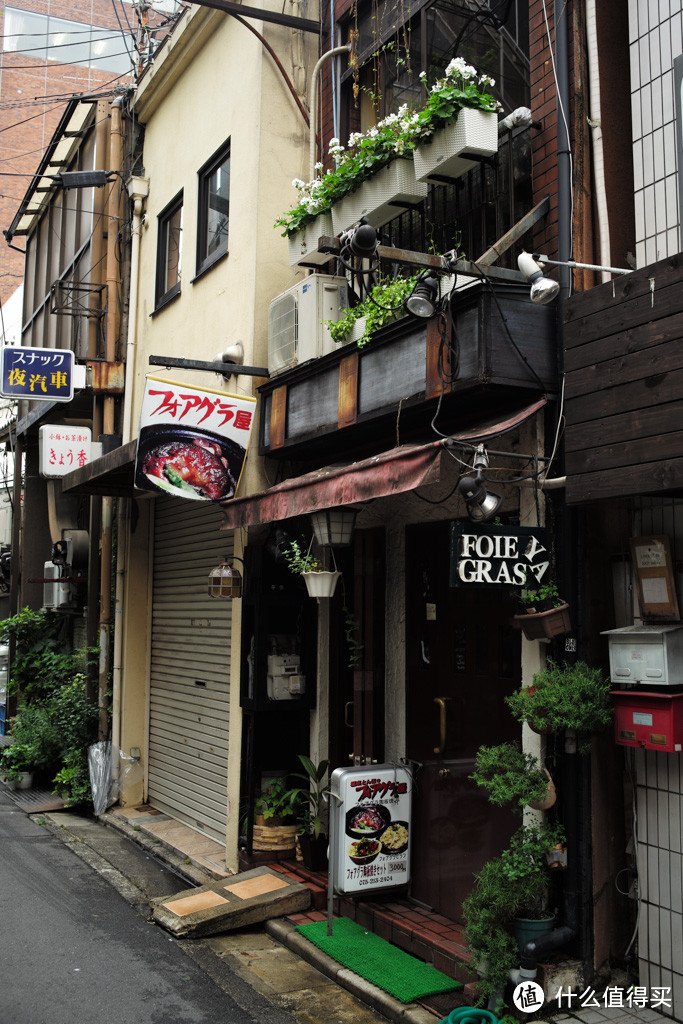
[
  {"x": 441, "y": 701},
  {"x": 348, "y": 720}
]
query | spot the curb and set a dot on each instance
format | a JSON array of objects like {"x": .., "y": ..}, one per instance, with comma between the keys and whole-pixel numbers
[{"x": 376, "y": 998}]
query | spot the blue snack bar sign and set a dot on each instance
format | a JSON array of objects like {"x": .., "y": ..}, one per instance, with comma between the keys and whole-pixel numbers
[{"x": 39, "y": 374}]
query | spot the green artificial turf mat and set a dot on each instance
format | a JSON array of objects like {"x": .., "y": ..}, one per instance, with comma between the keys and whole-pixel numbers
[{"x": 376, "y": 960}]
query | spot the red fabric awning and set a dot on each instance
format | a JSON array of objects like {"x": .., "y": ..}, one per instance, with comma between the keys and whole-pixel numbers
[{"x": 393, "y": 472}]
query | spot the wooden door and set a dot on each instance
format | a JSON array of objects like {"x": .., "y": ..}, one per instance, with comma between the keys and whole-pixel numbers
[{"x": 462, "y": 658}]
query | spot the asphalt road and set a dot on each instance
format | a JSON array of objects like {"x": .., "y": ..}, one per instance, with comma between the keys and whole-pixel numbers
[{"x": 74, "y": 951}]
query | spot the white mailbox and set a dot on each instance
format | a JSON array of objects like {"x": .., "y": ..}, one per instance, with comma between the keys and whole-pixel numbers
[{"x": 646, "y": 654}]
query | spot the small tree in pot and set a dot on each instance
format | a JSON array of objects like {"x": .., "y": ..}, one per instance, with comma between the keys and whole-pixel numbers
[{"x": 313, "y": 835}]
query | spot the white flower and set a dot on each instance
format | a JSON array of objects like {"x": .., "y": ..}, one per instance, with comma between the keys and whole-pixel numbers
[
  {"x": 422, "y": 75},
  {"x": 298, "y": 184}
]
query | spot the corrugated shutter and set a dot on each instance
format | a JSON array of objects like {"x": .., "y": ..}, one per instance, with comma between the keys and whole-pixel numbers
[{"x": 190, "y": 668}]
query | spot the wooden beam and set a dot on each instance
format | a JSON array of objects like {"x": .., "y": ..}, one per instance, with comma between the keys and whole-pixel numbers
[{"x": 515, "y": 233}]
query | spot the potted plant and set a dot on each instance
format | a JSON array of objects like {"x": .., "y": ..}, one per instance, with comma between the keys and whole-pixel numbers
[
  {"x": 16, "y": 766},
  {"x": 320, "y": 582},
  {"x": 565, "y": 697},
  {"x": 513, "y": 885},
  {"x": 386, "y": 302},
  {"x": 276, "y": 811},
  {"x": 313, "y": 834},
  {"x": 510, "y": 776},
  {"x": 545, "y": 613}
]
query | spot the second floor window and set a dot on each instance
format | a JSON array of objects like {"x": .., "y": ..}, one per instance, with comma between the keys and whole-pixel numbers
[
  {"x": 169, "y": 251},
  {"x": 214, "y": 209}
]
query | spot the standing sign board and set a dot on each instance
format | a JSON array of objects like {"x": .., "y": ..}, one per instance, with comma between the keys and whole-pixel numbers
[
  {"x": 192, "y": 441},
  {"x": 62, "y": 449},
  {"x": 39, "y": 374},
  {"x": 371, "y": 813}
]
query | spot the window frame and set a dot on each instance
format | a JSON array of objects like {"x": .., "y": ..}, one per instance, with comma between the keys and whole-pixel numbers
[
  {"x": 206, "y": 260},
  {"x": 163, "y": 295}
]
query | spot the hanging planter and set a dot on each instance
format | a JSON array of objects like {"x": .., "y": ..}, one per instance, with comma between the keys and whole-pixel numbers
[
  {"x": 303, "y": 246},
  {"x": 453, "y": 149},
  {"x": 380, "y": 198},
  {"x": 544, "y": 625},
  {"x": 321, "y": 583}
]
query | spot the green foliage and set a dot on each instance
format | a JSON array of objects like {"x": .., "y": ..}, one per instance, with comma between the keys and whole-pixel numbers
[
  {"x": 509, "y": 776},
  {"x": 298, "y": 560},
  {"x": 543, "y": 594},
  {"x": 315, "y": 793},
  {"x": 15, "y": 760},
  {"x": 565, "y": 697},
  {"x": 385, "y": 303},
  {"x": 512, "y": 885},
  {"x": 41, "y": 660},
  {"x": 277, "y": 803}
]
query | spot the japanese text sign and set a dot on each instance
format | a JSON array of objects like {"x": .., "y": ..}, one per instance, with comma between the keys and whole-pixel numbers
[
  {"x": 63, "y": 449},
  {"x": 371, "y": 808},
  {"x": 193, "y": 441},
  {"x": 41, "y": 374},
  {"x": 509, "y": 556}
]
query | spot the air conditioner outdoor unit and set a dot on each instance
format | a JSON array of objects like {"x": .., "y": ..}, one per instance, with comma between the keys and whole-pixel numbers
[
  {"x": 56, "y": 594},
  {"x": 296, "y": 329}
]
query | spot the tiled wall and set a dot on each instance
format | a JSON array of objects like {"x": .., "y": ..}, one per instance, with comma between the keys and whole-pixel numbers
[
  {"x": 656, "y": 38},
  {"x": 659, "y": 801}
]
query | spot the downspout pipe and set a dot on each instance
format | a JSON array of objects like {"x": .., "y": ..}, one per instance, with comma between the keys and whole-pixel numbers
[
  {"x": 313, "y": 103},
  {"x": 595, "y": 123},
  {"x": 138, "y": 190}
]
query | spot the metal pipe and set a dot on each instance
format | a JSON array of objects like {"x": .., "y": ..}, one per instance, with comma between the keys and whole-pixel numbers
[
  {"x": 595, "y": 123},
  {"x": 540, "y": 258},
  {"x": 564, "y": 173},
  {"x": 535, "y": 948},
  {"x": 138, "y": 190},
  {"x": 313, "y": 103},
  {"x": 113, "y": 282}
]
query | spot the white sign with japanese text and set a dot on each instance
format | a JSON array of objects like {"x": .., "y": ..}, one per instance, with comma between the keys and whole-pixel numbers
[
  {"x": 63, "y": 449},
  {"x": 192, "y": 441},
  {"x": 371, "y": 806}
]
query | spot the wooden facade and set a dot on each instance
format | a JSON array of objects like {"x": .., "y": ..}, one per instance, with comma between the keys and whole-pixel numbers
[
  {"x": 624, "y": 385},
  {"x": 503, "y": 352}
]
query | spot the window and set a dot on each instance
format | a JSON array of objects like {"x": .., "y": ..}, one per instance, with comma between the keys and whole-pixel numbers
[
  {"x": 214, "y": 207},
  {"x": 169, "y": 251},
  {"x": 46, "y": 38}
]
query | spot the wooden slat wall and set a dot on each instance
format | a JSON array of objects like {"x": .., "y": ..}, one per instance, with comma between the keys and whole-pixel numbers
[{"x": 624, "y": 385}]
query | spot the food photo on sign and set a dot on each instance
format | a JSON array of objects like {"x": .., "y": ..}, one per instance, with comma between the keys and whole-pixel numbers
[{"x": 192, "y": 442}]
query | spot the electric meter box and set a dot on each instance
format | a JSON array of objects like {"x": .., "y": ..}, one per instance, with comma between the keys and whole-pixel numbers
[
  {"x": 285, "y": 681},
  {"x": 648, "y": 721},
  {"x": 646, "y": 654}
]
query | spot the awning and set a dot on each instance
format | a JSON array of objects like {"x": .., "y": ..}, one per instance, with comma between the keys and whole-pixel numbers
[{"x": 394, "y": 472}]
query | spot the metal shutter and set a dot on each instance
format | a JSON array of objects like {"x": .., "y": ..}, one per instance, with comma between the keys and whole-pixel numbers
[{"x": 190, "y": 668}]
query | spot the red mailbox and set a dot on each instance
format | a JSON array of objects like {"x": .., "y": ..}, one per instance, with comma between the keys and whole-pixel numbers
[{"x": 651, "y": 721}]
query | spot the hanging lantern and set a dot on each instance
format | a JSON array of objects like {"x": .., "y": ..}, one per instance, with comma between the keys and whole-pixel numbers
[
  {"x": 225, "y": 581},
  {"x": 334, "y": 526}
]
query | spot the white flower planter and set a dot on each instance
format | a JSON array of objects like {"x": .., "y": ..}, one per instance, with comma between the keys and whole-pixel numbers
[
  {"x": 452, "y": 150},
  {"x": 357, "y": 331},
  {"x": 380, "y": 198},
  {"x": 303, "y": 246},
  {"x": 321, "y": 584}
]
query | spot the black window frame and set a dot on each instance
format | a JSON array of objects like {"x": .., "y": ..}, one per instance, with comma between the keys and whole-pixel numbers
[
  {"x": 206, "y": 260},
  {"x": 162, "y": 294}
]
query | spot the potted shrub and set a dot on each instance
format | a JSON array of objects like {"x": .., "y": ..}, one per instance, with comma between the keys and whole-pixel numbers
[
  {"x": 16, "y": 766},
  {"x": 313, "y": 835},
  {"x": 276, "y": 811},
  {"x": 510, "y": 776},
  {"x": 545, "y": 613},
  {"x": 320, "y": 582},
  {"x": 513, "y": 885},
  {"x": 386, "y": 302},
  {"x": 565, "y": 697}
]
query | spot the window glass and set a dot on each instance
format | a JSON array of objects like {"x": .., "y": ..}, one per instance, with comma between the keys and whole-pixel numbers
[
  {"x": 214, "y": 208},
  {"x": 67, "y": 42},
  {"x": 170, "y": 251}
]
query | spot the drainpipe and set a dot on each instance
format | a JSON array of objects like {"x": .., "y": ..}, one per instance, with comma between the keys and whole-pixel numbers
[
  {"x": 138, "y": 190},
  {"x": 595, "y": 122},
  {"x": 313, "y": 102}
]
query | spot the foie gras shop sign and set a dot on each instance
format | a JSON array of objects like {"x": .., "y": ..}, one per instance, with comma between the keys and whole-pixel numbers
[{"x": 503, "y": 556}]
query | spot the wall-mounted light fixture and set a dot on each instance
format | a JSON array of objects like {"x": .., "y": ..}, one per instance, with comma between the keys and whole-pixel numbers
[
  {"x": 334, "y": 526},
  {"x": 481, "y": 503},
  {"x": 363, "y": 240},
  {"x": 225, "y": 580},
  {"x": 543, "y": 289},
  {"x": 424, "y": 297}
]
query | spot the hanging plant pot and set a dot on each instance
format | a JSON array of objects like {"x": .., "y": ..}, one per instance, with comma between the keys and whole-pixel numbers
[
  {"x": 303, "y": 246},
  {"x": 321, "y": 584},
  {"x": 544, "y": 803},
  {"x": 538, "y": 625},
  {"x": 453, "y": 149},
  {"x": 381, "y": 197}
]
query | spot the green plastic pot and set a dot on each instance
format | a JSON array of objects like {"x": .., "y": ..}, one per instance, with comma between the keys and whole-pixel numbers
[{"x": 527, "y": 929}]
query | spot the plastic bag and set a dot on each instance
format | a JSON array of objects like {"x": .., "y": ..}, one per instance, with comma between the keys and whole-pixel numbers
[{"x": 109, "y": 770}]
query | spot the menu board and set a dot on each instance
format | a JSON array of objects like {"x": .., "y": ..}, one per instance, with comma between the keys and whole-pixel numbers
[{"x": 371, "y": 812}]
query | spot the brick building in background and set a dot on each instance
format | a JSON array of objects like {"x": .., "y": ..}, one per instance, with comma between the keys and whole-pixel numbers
[{"x": 50, "y": 51}]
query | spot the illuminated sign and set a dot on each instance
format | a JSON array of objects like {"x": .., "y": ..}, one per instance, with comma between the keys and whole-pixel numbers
[
  {"x": 63, "y": 449},
  {"x": 39, "y": 374}
]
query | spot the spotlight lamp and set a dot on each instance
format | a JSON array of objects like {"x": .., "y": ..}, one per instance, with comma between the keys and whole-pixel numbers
[
  {"x": 481, "y": 503},
  {"x": 225, "y": 581},
  {"x": 363, "y": 242},
  {"x": 543, "y": 289},
  {"x": 423, "y": 300}
]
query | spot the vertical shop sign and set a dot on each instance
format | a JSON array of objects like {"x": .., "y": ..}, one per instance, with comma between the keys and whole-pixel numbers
[{"x": 371, "y": 810}]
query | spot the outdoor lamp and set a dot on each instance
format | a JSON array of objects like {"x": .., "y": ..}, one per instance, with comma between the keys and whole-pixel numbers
[
  {"x": 422, "y": 301},
  {"x": 543, "y": 289},
  {"x": 334, "y": 526},
  {"x": 481, "y": 504},
  {"x": 363, "y": 241},
  {"x": 225, "y": 581}
]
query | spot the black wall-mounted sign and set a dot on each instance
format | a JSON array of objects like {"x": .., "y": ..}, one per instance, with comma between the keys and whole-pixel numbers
[{"x": 497, "y": 556}]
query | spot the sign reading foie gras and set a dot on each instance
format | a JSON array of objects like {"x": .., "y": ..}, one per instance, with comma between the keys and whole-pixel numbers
[
  {"x": 192, "y": 441},
  {"x": 371, "y": 827}
]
